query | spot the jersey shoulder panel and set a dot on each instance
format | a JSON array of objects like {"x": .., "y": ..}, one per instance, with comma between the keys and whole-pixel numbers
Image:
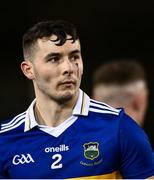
[
  {"x": 12, "y": 123},
  {"x": 102, "y": 108}
]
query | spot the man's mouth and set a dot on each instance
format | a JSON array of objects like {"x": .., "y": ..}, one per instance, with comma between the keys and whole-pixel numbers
[{"x": 68, "y": 83}]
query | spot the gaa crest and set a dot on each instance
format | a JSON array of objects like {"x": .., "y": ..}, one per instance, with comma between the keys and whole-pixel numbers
[{"x": 91, "y": 150}]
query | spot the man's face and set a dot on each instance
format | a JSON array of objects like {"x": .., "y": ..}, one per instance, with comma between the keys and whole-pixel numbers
[{"x": 57, "y": 70}]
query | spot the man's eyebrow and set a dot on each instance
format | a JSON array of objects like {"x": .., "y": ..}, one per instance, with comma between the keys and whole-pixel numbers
[
  {"x": 51, "y": 55},
  {"x": 75, "y": 51}
]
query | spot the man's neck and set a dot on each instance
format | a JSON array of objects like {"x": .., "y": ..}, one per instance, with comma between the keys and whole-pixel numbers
[{"x": 51, "y": 113}]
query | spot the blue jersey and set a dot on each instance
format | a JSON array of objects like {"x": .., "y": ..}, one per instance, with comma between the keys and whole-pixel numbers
[{"x": 97, "y": 141}]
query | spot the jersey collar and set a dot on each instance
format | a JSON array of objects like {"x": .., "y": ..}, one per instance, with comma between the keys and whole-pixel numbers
[{"x": 81, "y": 109}]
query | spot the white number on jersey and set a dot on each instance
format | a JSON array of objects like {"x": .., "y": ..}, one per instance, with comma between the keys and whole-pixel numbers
[{"x": 56, "y": 164}]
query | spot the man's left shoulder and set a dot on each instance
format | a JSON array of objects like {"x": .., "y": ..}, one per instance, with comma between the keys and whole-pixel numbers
[{"x": 104, "y": 109}]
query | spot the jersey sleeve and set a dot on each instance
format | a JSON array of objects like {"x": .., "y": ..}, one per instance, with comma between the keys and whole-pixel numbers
[
  {"x": 2, "y": 176},
  {"x": 2, "y": 173},
  {"x": 136, "y": 154},
  {"x": 2, "y": 154}
]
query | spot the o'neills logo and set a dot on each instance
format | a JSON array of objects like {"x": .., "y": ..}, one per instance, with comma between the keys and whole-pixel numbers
[{"x": 59, "y": 148}]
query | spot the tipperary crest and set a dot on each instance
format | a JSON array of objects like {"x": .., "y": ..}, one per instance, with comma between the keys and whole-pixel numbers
[{"x": 91, "y": 150}]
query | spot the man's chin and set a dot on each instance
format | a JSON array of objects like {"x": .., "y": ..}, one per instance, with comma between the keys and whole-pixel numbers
[{"x": 66, "y": 96}]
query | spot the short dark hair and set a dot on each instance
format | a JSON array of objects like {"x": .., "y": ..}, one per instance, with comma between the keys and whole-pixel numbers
[
  {"x": 119, "y": 72},
  {"x": 60, "y": 28}
]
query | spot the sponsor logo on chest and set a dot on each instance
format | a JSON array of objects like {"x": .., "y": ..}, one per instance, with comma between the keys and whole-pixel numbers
[{"x": 59, "y": 148}]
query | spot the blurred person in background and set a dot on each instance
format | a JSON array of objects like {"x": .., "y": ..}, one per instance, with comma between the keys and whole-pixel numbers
[{"x": 123, "y": 83}]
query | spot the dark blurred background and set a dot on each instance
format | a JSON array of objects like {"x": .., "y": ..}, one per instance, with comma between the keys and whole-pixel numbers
[{"x": 108, "y": 29}]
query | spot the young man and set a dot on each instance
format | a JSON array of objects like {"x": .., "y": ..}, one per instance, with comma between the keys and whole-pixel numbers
[
  {"x": 64, "y": 133},
  {"x": 123, "y": 83}
]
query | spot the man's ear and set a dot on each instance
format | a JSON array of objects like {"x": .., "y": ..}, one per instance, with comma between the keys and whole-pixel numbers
[{"x": 27, "y": 69}]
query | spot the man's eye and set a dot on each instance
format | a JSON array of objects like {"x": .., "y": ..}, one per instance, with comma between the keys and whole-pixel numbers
[
  {"x": 74, "y": 58},
  {"x": 54, "y": 59}
]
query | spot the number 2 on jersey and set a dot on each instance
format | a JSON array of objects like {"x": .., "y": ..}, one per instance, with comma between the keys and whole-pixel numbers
[{"x": 56, "y": 164}]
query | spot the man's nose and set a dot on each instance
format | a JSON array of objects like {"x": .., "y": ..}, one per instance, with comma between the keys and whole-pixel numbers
[{"x": 67, "y": 66}]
